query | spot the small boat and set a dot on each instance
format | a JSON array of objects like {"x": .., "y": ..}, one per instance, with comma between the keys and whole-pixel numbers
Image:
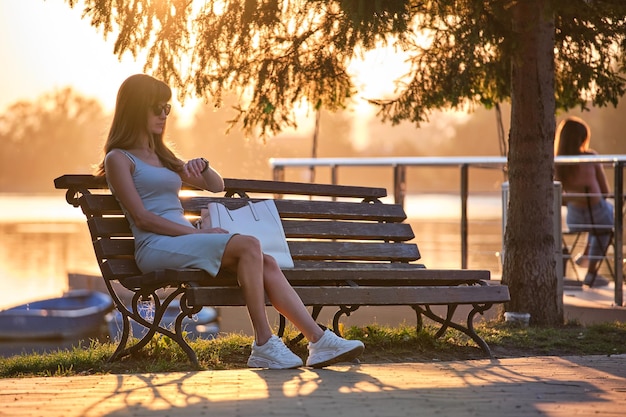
[
  {"x": 202, "y": 325},
  {"x": 76, "y": 313}
]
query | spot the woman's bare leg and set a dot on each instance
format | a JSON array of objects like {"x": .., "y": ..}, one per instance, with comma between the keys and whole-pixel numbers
[
  {"x": 259, "y": 274},
  {"x": 243, "y": 256},
  {"x": 287, "y": 302}
]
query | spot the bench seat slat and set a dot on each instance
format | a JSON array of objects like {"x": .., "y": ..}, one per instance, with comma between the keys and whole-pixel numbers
[
  {"x": 326, "y": 273},
  {"x": 361, "y": 296},
  {"x": 338, "y": 271},
  {"x": 353, "y": 270}
]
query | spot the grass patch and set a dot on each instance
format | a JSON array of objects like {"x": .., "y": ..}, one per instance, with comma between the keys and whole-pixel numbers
[
  {"x": 571, "y": 339},
  {"x": 383, "y": 344}
]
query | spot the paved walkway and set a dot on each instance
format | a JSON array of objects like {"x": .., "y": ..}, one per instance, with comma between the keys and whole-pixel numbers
[{"x": 537, "y": 386}]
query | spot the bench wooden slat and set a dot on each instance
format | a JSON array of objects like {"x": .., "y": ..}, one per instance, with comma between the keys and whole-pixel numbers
[
  {"x": 361, "y": 296},
  {"x": 339, "y": 210},
  {"x": 301, "y": 188},
  {"x": 396, "y": 232},
  {"x": 98, "y": 204},
  {"x": 354, "y": 270},
  {"x": 361, "y": 251},
  {"x": 114, "y": 248},
  {"x": 390, "y": 273},
  {"x": 305, "y": 273},
  {"x": 80, "y": 182},
  {"x": 233, "y": 185},
  {"x": 418, "y": 273},
  {"x": 400, "y": 252},
  {"x": 108, "y": 227},
  {"x": 113, "y": 269}
]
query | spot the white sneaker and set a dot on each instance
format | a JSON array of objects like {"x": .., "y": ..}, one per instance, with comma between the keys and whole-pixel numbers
[
  {"x": 273, "y": 355},
  {"x": 332, "y": 349}
]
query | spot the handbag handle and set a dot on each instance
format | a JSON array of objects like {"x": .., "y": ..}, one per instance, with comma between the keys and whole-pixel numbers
[{"x": 252, "y": 209}]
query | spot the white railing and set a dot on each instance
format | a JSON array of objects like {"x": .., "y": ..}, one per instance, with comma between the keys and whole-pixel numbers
[{"x": 464, "y": 163}]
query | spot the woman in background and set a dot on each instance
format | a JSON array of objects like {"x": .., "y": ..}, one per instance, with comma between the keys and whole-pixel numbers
[
  {"x": 146, "y": 176},
  {"x": 590, "y": 208}
]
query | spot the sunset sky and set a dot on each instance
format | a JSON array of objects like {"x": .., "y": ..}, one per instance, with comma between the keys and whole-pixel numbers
[{"x": 47, "y": 46}]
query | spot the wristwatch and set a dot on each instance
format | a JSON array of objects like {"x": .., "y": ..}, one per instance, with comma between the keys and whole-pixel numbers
[{"x": 206, "y": 166}]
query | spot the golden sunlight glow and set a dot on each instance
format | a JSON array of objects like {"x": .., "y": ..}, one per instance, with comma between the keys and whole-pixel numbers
[
  {"x": 376, "y": 74},
  {"x": 53, "y": 48},
  {"x": 218, "y": 6},
  {"x": 375, "y": 77}
]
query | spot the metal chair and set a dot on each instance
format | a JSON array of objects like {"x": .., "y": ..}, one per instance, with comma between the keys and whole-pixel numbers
[{"x": 579, "y": 236}]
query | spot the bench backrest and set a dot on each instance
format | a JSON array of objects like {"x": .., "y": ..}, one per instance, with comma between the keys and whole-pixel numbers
[{"x": 322, "y": 222}]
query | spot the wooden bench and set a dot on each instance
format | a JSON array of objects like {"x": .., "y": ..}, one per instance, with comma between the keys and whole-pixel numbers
[{"x": 349, "y": 249}]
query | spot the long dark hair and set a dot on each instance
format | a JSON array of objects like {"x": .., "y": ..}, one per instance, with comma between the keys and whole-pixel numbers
[
  {"x": 572, "y": 138},
  {"x": 135, "y": 98}
]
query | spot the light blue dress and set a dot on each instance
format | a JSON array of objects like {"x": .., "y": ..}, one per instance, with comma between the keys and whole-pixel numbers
[{"x": 158, "y": 188}]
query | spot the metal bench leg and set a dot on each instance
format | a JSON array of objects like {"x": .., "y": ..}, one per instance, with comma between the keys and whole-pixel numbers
[
  {"x": 124, "y": 339},
  {"x": 419, "y": 320},
  {"x": 467, "y": 330},
  {"x": 342, "y": 310},
  {"x": 154, "y": 326}
]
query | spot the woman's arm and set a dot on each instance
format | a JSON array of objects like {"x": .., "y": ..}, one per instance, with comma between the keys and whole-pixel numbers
[
  {"x": 118, "y": 168},
  {"x": 199, "y": 173}
]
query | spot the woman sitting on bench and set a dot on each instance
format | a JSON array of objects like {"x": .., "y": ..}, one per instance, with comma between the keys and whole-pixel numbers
[
  {"x": 590, "y": 210},
  {"x": 146, "y": 177}
]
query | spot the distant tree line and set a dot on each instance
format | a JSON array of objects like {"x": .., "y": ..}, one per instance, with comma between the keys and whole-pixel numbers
[{"x": 63, "y": 132}]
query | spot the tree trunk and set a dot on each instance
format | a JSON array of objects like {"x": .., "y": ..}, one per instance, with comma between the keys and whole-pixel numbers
[{"x": 529, "y": 263}]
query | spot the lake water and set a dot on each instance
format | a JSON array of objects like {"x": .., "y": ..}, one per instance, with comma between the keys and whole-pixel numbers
[{"x": 43, "y": 239}]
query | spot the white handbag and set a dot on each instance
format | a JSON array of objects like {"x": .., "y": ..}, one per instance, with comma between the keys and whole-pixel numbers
[{"x": 259, "y": 219}]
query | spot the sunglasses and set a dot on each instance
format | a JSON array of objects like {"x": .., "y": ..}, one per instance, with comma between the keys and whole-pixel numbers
[{"x": 157, "y": 109}]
